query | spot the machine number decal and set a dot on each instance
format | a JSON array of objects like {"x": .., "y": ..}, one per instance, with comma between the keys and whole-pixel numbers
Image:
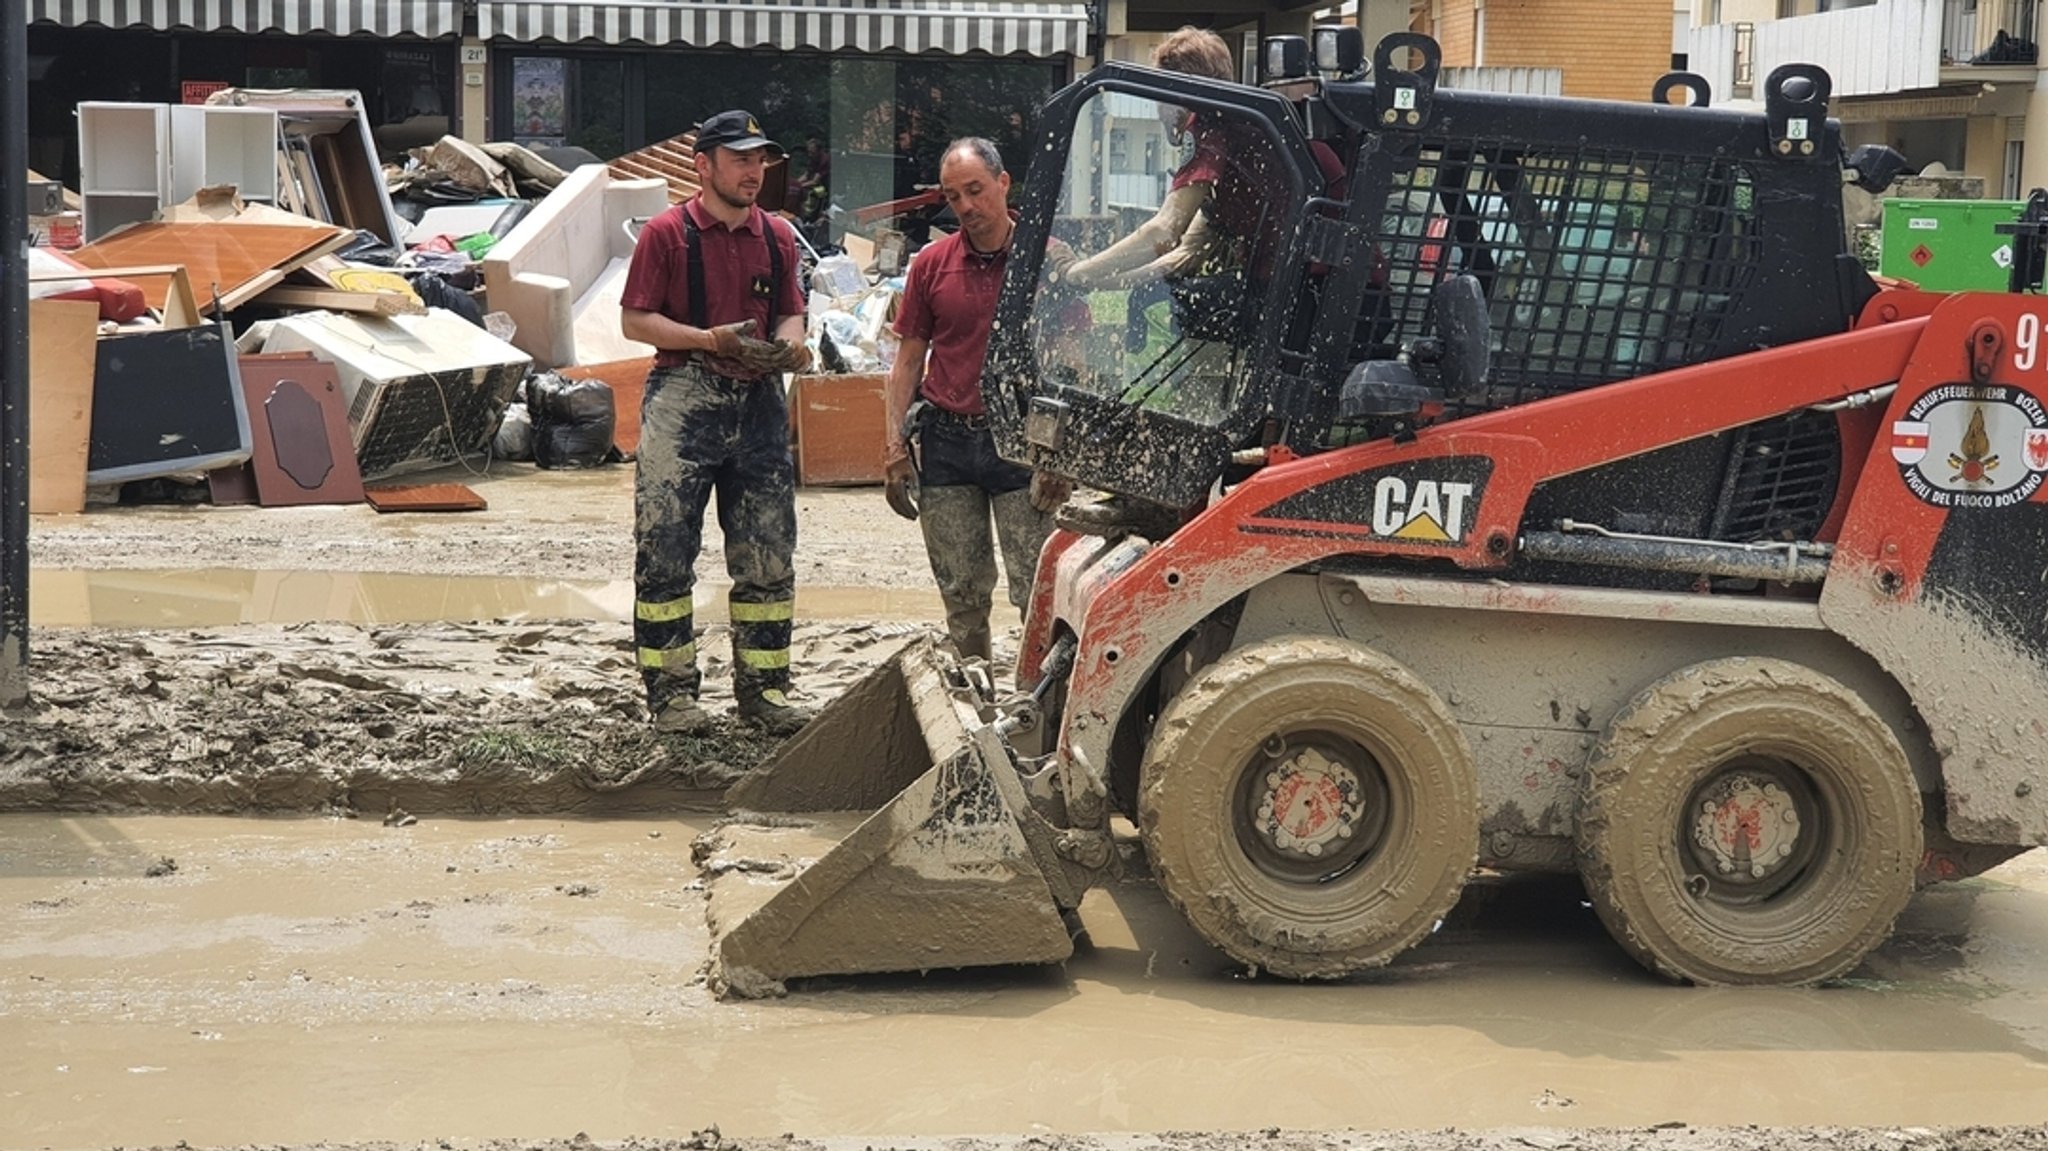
[{"x": 1974, "y": 447}]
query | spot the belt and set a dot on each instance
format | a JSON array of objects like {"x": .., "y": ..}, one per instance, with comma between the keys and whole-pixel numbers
[{"x": 975, "y": 422}]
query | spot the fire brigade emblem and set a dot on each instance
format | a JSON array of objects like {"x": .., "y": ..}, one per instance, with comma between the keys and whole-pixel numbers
[{"x": 1961, "y": 446}]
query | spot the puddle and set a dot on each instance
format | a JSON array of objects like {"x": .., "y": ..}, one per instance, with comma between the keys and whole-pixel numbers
[
  {"x": 220, "y": 597},
  {"x": 292, "y": 981}
]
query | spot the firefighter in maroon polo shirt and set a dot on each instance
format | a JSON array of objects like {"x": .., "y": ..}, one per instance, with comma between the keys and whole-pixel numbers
[
  {"x": 708, "y": 277},
  {"x": 962, "y": 485}
]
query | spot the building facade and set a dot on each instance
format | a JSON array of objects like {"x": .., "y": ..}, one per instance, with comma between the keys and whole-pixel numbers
[{"x": 1948, "y": 82}]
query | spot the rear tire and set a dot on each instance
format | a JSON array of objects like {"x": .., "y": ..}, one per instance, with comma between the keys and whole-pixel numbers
[
  {"x": 1749, "y": 821},
  {"x": 1310, "y": 806}
]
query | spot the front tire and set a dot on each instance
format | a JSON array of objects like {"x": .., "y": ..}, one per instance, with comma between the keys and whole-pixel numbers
[
  {"x": 1310, "y": 806},
  {"x": 1749, "y": 821}
]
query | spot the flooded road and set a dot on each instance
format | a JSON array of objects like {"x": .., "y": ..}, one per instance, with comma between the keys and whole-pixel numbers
[{"x": 295, "y": 980}]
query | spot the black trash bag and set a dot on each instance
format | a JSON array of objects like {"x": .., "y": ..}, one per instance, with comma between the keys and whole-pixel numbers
[
  {"x": 436, "y": 292},
  {"x": 573, "y": 421},
  {"x": 369, "y": 248}
]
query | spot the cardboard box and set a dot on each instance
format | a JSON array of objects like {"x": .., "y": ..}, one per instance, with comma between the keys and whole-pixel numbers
[{"x": 837, "y": 422}]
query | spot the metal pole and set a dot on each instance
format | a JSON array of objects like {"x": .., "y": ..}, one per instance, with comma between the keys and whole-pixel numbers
[{"x": 13, "y": 357}]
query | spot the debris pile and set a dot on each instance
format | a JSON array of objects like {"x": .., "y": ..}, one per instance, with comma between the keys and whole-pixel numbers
[{"x": 241, "y": 303}]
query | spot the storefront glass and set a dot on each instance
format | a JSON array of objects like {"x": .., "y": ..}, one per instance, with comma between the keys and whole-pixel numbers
[{"x": 860, "y": 129}]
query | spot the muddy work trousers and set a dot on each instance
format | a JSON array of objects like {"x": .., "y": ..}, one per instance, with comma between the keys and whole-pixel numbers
[
  {"x": 963, "y": 486},
  {"x": 703, "y": 434}
]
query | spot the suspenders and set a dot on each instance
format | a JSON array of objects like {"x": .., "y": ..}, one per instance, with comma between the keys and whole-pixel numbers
[{"x": 698, "y": 305}]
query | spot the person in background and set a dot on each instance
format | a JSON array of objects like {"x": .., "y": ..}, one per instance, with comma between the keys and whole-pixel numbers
[
  {"x": 956, "y": 484},
  {"x": 707, "y": 277}
]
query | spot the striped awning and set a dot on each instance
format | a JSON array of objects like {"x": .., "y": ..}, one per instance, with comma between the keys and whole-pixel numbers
[
  {"x": 429, "y": 19},
  {"x": 951, "y": 26}
]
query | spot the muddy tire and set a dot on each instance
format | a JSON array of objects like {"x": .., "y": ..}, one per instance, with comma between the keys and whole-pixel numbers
[
  {"x": 1310, "y": 806},
  {"x": 1748, "y": 821}
]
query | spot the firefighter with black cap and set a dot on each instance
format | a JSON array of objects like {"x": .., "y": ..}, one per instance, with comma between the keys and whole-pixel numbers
[{"x": 713, "y": 286}]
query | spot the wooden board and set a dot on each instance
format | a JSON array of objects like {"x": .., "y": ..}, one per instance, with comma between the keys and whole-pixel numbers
[
  {"x": 335, "y": 300},
  {"x": 425, "y": 498},
  {"x": 628, "y": 381},
  {"x": 221, "y": 259},
  {"x": 298, "y": 430},
  {"x": 837, "y": 422},
  {"x": 62, "y": 335}
]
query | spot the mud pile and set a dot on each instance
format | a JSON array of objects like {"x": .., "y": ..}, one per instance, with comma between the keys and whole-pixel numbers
[{"x": 388, "y": 721}]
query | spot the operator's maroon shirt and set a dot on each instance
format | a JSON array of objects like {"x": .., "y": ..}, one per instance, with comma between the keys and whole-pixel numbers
[
  {"x": 658, "y": 279},
  {"x": 949, "y": 299}
]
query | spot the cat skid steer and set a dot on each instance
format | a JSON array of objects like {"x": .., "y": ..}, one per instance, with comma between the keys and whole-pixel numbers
[{"x": 1552, "y": 493}]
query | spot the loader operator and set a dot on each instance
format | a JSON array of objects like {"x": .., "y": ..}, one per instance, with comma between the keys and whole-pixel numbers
[
  {"x": 948, "y": 306},
  {"x": 705, "y": 278},
  {"x": 1212, "y": 200}
]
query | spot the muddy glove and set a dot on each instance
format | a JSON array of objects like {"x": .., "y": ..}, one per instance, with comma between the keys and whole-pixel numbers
[
  {"x": 759, "y": 356},
  {"x": 1049, "y": 491},
  {"x": 899, "y": 486},
  {"x": 727, "y": 338},
  {"x": 792, "y": 357}
]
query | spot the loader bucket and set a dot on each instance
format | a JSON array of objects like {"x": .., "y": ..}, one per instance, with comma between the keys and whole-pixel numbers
[{"x": 944, "y": 866}]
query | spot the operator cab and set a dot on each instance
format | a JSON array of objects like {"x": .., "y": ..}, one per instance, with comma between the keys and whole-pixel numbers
[{"x": 1602, "y": 241}]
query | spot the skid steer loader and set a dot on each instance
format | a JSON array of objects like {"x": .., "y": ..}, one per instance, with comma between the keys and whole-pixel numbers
[{"x": 1552, "y": 492}]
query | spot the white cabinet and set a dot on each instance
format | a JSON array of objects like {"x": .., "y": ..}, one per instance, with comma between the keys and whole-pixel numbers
[
  {"x": 124, "y": 161},
  {"x": 135, "y": 158},
  {"x": 217, "y": 144}
]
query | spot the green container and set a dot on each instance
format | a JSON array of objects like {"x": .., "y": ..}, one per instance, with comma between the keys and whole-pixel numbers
[{"x": 1948, "y": 245}]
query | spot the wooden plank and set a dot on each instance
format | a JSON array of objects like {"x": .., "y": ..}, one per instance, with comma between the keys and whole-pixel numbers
[
  {"x": 336, "y": 300},
  {"x": 179, "y": 307},
  {"x": 425, "y": 498},
  {"x": 219, "y": 258},
  {"x": 62, "y": 350}
]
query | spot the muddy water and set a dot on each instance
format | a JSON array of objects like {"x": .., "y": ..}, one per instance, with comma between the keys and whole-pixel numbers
[
  {"x": 342, "y": 980},
  {"x": 215, "y": 597}
]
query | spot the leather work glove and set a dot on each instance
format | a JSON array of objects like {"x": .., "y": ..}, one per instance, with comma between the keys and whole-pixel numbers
[
  {"x": 727, "y": 338},
  {"x": 899, "y": 486},
  {"x": 792, "y": 357},
  {"x": 759, "y": 356},
  {"x": 1049, "y": 491}
]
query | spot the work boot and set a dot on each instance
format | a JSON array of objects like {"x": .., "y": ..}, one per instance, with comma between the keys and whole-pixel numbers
[
  {"x": 771, "y": 712},
  {"x": 683, "y": 716},
  {"x": 1119, "y": 516}
]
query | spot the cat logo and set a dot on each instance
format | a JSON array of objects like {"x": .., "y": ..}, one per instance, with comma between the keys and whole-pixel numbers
[
  {"x": 1426, "y": 511},
  {"x": 753, "y": 128}
]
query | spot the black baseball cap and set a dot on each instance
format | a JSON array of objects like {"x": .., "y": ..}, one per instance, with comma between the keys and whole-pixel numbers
[{"x": 736, "y": 130}]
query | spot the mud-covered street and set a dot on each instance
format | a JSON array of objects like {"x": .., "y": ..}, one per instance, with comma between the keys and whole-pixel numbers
[{"x": 289, "y": 862}]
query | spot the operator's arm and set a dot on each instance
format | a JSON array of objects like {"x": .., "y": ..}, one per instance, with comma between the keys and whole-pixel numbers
[
  {"x": 1155, "y": 237},
  {"x": 903, "y": 380}
]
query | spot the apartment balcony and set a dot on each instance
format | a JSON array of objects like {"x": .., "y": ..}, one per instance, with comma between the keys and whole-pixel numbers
[{"x": 1876, "y": 49}]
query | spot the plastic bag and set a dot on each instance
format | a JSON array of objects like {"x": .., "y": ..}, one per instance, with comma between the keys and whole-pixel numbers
[
  {"x": 514, "y": 440},
  {"x": 573, "y": 421}
]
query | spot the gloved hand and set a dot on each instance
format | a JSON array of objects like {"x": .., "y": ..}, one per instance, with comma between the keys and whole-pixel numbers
[
  {"x": 899, "y": 486},
  {"x": 726, "y": 339},
  {"x": 1049, "y": 491},
  {"x": 1059, "y": 264},
  {"x": 759, "y": 356},
  {"x": 794, "y": 357}
]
